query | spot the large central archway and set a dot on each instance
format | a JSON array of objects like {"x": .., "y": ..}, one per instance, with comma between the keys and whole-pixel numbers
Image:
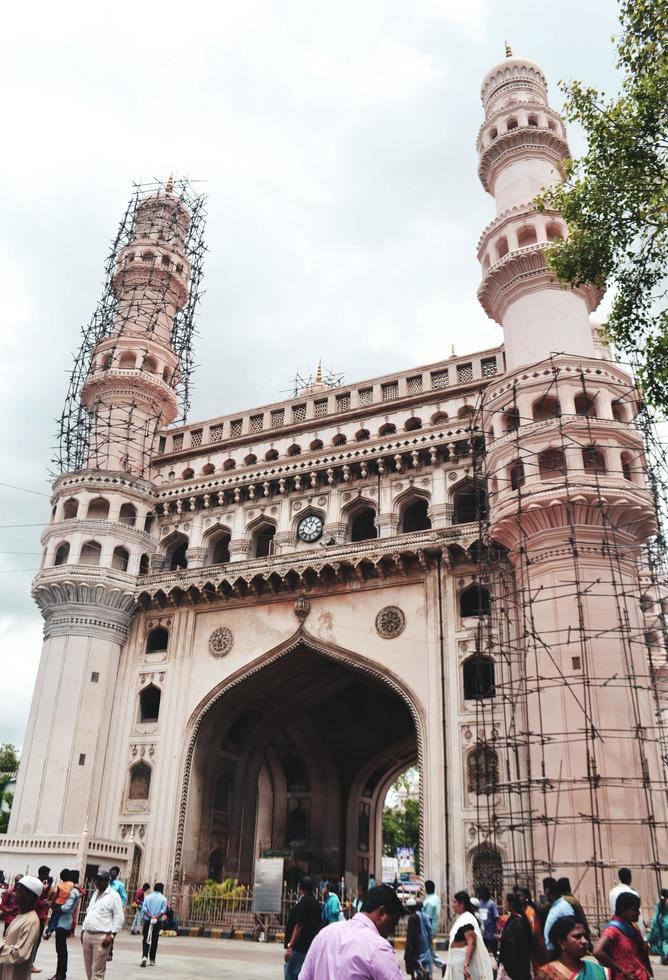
[{"x": 294, "y": 757}]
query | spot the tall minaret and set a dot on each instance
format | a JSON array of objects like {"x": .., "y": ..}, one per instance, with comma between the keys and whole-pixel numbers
[
  {"x": 569, "y": 504},
  {"x": 101, "y": 534},
  {"x": 521, "y": 146}
]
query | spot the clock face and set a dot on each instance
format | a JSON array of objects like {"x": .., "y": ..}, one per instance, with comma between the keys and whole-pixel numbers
[{"x": 310, "y": 528}]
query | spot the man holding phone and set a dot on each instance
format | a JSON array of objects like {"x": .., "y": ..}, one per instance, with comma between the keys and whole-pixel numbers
[{"x": 104, "y": 919}]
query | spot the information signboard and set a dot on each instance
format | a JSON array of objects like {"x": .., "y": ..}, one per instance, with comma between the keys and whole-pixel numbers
[{"x": 268, "y": 887}]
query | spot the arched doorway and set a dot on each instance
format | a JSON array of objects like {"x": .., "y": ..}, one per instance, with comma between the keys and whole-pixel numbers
[{"x": 282, "y": 762}]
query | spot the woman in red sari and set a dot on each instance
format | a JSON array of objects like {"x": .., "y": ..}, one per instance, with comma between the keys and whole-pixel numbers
[
  {"x": 569, "y": 938},
  {"x": 621, "y": 947}
]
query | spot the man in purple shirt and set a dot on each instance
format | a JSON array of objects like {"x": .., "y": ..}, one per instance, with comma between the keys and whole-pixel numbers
[{"x": 358, "y": 949}]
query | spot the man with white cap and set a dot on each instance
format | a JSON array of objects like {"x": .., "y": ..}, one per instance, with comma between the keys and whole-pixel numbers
[
  {"x": 17, "y": 948},
  {"x": 104, "y": 918}
]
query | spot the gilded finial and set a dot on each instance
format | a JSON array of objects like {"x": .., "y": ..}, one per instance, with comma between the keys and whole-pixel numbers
[
  {"x": 318, "y": 373},
  {"x": 169, "y": 186},
  {"x": 509, "y": 50}
]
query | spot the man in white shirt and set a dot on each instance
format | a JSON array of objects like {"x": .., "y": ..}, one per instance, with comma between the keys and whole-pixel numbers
[
  {"x": 104, "y": 919},
  {"x": 624, "y": 875}
]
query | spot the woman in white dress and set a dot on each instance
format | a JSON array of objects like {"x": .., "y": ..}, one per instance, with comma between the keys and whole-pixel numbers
[{"x": 468, "y": 958}]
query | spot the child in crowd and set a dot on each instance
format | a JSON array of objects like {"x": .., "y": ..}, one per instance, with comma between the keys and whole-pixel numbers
[{"x": 62, "y": 894}]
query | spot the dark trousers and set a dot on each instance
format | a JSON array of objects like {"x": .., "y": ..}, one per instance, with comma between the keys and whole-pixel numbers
[
  {"x": 145, "y": 951},
  {"x": 61, "y": 952}
]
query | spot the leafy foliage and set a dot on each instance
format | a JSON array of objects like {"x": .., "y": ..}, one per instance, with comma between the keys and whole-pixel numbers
[
  {"x": 401, "y": 828},
  {"x": 9, "y": 759},
  {"x": 217, "y": 896},
  {"x": 615, "y": 198}
]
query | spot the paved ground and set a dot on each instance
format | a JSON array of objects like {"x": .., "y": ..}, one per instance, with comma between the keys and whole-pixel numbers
[{"x": 192, "y": 959}]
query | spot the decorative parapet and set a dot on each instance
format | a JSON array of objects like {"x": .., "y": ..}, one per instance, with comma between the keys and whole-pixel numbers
[
  {"x": 85, "y": 601},
  {"x": 525, "y": 141}
]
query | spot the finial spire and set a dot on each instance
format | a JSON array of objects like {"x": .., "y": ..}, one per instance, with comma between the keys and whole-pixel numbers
[
  {"x": 169, "y": 186},
  {"x": 509, "y": 50},
  {"x": 318, "y": 373}
]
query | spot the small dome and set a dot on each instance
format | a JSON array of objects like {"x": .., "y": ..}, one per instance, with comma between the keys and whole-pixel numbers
[{"x": 512, "y": 70}]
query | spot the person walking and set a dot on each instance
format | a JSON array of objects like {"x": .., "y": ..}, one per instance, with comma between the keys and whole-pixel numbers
[
  {"x": 624, "y": 885},
  {"x": 488, "y": 914},
  {"x": 418, "y": 955},
  {"x": 331, "y": 907},
  {"x": 658, "y": 930},
  {"x": 571, "y": 946},
  {"x": 137, "y": 903},
  {"x": 64, "y": 924},
  {"x": 431, "y": 905},
  {"x": 18, "y": 946},
  {"x": 358, "y": 949},
  {"x": 8, "y": 907},
  {"x": 154, "y": 908},
  {"x": 621, "y": 947},
  {"x": 104, "y": 919},
  {"x": 566, "y": 892},
  {"x": 538, "y": 951},
  {"x": 559, "y": 909},
  {"x": 468, "y": 958},
  {"x": 515, "y": 943},
  {"x": 302, "y": 927}
]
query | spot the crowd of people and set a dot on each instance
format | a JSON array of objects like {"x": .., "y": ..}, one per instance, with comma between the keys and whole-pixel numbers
[
  {"x": 35, "y": 909},
  {"x": 548, "y": 940},
  {"x": 522, "y": 940}
]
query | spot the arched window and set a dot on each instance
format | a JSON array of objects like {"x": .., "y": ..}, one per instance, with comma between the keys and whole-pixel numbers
[
  {"x": 552, "y": 464},
  {"x": 91, "y": 552},
  {"x": 339, "y": 439},
  {"x": 362, "y": 435},
  {"x": 98, "y": 509},
  {"x": 229, "y": 464},
  {"x": 478, "y": 674},
  {"x": 176, "y": 552},
  {"x": 554, "y": 232},
  {"x": 493, "y": 133},
  {"x": 547, "y": 407},
  {"x": 294, "y": 450},
  {"x": 127, "y": 361},
  {"x": 149, "y": 521},
  {"x": 593, "y": 460},
  {"x": 362, "y": 525},
  {"x": 272, "y": 454},
  {"x": 469, "y": 503},
  {"x": 388, "y": 429},
  {"x": 219, "y": 551},
  {"x": 501, "y": 247},
  {"x": 149, "y": 703},
  {"x": 585, "y": 404},
  {"x": 296, "y": 830},
  {"x": 263, "y": 541},
  {"x": 296, "y": 776},
  {"x": 222, "y": 796},
  {"x": 511, "y": 419},
  {"x": 128, "y": 515},
  {"x": 487, "y": 869},
  {"x": 250, "y": 459},
  {"x": 482, "y": 770},
  {"x": 466, "y": 413},
  {"x": 315, "y": 445},
  {"x": 532, "y": 120},
  {"x": 157, "y": 640},
  {"x": 516, "y": 474},
  {"x": 62, "y": 554},
  {"x": 414, "y": 516},
  {"x": 619, "y": 411},
  {"x": 627, "y": 472},
  {"x": 208, "y": 469},
  {"x": 148, "y": 257},
  {"x": 144, "y": 565},
  {"x": 511, "y": 124},
  {"x": 526, "y": 236},
  {"x": 474, "y": 601},
  {"x": 166, "y": 375},
  {"x": 140, "y": 782},
  {"x": 413, "y": 423},
  {"x": 438, "y": 418},
  {"x": 70, "y": 509},
  {"x": 188, "y": 474},
  {"x": 150, "y": 365},
  {"x": 120, "y": 559},
  {"x": 215, "y": 872}
]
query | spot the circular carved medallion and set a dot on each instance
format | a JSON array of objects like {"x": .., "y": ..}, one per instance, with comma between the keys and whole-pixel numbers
[
  {"x": 390, "y": 622},
  {"x": 221, "y": 641}
]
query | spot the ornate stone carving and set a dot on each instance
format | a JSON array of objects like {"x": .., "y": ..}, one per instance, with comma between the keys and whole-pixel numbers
[
  {"x": 390, "y": 622},
  {"x": 221, "y": 641},
  {"x": 302, "y": 608}
]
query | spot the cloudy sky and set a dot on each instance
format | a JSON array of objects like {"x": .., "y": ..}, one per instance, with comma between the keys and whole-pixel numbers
[{"x": 336, "y": 143}]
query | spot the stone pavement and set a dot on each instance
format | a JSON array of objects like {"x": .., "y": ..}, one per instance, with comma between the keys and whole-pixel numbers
[{"x": 193, "y": 959}]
